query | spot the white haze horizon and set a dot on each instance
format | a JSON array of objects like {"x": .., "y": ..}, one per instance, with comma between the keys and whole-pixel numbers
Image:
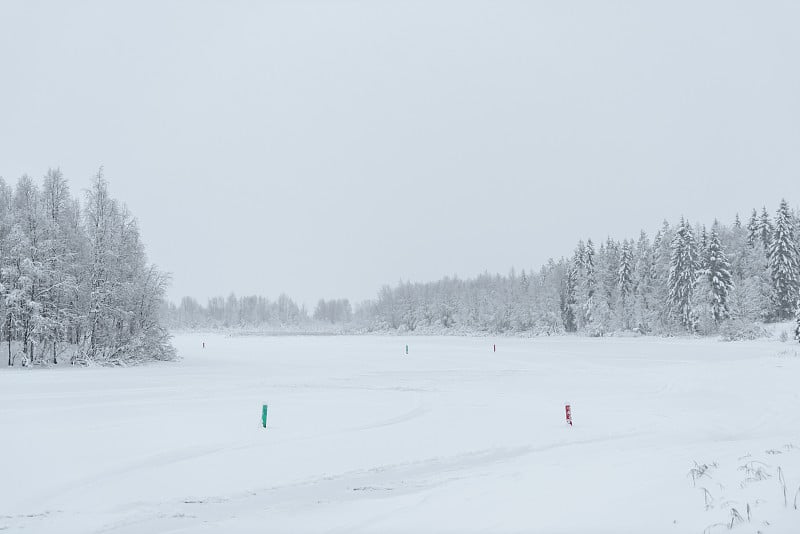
[{"x": 323, "y": 150}]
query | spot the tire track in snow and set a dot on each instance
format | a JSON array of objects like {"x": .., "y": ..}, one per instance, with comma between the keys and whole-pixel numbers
[
  {"x": 191, "y": 453},
  {"x": 379, "y": 482},
  {"x": 148, "y": 462},
  {"x": 419, "y": 411}
]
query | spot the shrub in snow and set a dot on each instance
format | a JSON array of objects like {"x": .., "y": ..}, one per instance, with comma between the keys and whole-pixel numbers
[
  {"x": 797, "y": 320},
  {"x": 596, "y": 332},
  {"x": 741, "y": 330}
]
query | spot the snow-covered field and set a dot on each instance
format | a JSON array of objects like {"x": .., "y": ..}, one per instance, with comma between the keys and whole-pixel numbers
[{"x": 451, "y": 438}]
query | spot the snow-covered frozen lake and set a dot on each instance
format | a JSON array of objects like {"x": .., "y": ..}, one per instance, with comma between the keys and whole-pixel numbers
[{"x": 450, "y": 438}]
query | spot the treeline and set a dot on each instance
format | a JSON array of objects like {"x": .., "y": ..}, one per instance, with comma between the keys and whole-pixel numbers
[
  {"x": 74, "y": 278},
  {"x": 254, "y": 312},
  {"x": 687, "y": 278},
  {"x": 334, "y": 311}
]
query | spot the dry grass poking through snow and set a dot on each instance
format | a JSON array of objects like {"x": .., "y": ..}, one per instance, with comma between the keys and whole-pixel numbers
[{"x": 759, "y": 494}]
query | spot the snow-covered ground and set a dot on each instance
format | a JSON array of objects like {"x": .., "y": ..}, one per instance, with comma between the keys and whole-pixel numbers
[{"x": 450, "y": 438}]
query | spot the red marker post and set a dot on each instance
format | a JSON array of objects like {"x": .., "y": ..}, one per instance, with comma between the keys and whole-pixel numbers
[
  {"x": 569, "y": 414},
  {"x": 494, "y": 348}
]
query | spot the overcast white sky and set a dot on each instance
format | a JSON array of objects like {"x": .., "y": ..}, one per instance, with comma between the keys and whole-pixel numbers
[{"x": 323, "y": 148}]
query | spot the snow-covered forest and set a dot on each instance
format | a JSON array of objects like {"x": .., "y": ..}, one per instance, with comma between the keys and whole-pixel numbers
[
  {"x": 75, "y": 281},
  {"x": 256, "y": 312},
  {"x": 687, "y": 278},
  {"x": 222, "y": 312}
]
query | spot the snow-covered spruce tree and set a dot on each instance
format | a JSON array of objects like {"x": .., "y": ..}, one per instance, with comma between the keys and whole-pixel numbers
[
  {"x": 664, "y": 321},
  {"x": 718, "y": 271},
  {"x": 578, "y": 308},
  {"x": 703, "y": 246},
  {"x": 701, "y": 294},
  {"x": 644, "y": 308},
  {"x": 625, "y": 285},
  {"x": 765, "y": 229},
  {"x": 590, "y": 285},
  {"x": 600, "y": 311},
  {"x": 683, "y": 275},
  {"x": 568, "y": 295},
  {"x": 752, "y": 228},
  {"x": 784, "y": 263},
  {"x": 609, "y": 276}
]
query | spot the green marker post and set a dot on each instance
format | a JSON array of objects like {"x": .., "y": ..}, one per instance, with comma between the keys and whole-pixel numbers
[
  {"x": 406, "y": 350},
  {"x": 264, "y": 416}
]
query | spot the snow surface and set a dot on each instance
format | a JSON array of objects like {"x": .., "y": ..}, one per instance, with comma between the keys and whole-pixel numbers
[{"x": 451, "y": 438}]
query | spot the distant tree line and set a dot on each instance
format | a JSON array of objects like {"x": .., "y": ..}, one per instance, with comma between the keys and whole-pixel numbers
[
  {"x": 687, "y": 278},
  {"x": 334, "y": 311},
  {"x": 254, "y": 312},
  {"x": 233, "y": 311},
  {"x": 74, "y": 277}
]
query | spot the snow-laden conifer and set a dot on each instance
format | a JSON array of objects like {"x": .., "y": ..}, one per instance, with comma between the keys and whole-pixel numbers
[
  {"x": 683, "y": 275},
  {"x": 753, "y": 235},
  {"x": 784, "y": 263},
  {"x": 718, "y": 271},
  {"x": 765, "y": 229}
]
